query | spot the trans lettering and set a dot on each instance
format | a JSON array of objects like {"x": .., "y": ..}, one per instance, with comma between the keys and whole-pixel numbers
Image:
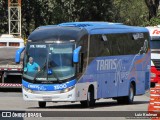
[{"x": 108, "y": 64}]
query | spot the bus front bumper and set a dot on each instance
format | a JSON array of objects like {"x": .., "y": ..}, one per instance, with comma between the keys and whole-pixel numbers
[{"x": 49, "y": 96}]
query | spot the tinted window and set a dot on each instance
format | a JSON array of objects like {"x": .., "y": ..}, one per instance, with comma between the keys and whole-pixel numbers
[{"x": 118, "y": 44}]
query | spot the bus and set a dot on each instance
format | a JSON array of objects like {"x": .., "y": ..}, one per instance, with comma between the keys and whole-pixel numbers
[
  {"x": 155, "y": 54},
  {"x": 86, "y": 61}
]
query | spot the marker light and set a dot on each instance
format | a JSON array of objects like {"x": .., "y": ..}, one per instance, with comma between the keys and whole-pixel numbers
[
  {"x": 67, "y": 89},
  {"x": 27, "y": 89}
]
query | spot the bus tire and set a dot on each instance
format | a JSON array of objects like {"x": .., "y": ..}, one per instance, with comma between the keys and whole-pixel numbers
[
  {"x": 3, "y": 78},
  {"x": 90, "y": 102},
  {"x": 130, "y": 97},
  {"x": 127, "y": 99},
  {"x": 121, "y": 100},
  {"x": 42, "y": 104},
  {"x": 0, "y": 78}
]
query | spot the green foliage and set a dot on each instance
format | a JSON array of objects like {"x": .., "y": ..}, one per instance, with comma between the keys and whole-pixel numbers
[
  {"x": 3, "y": 17},
  {"x": 46, "y": 12},
  {"x": 93, "y": 10},
  {"x": 132, "y": 12},
  {"x": 37, "y": 12},
  {"x": 152, "y": 7},
  {"x": 154, "y": 21}
]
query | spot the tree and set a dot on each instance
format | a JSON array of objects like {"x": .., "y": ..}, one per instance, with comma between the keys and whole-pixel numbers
[
  {"x": 37, "y": 13},
  {"x": 93, "y": 10},
  {"x": 3, "y": 17},
  {"x": 131, "y": 12},
  {"x": 27, "y": 17},
  {"x": 152, "y": 7}
]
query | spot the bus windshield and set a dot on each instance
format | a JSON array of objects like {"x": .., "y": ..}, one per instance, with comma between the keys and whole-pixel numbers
[
  {"x": 49, "y": 62},
  {"x": 155, "y": 45}
]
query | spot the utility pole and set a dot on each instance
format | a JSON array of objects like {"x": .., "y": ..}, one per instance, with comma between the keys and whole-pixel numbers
[{"x": 14, "y": 17}]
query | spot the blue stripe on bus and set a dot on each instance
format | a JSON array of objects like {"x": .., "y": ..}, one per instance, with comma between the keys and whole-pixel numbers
[
  {"x": 114, "y": 74},
  {"x": 48, "y": 87}
]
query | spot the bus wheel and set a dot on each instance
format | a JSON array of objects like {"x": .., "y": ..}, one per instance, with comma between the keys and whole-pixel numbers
[
  {"x": 42, "y": 104},
  {"x": 3, "y": 78},
  {"x": 127, "y": 99},
  {"x": 0, "y": 78},
  {"x": 130, "y": 97},
  {"x": 90, "y": 102}
]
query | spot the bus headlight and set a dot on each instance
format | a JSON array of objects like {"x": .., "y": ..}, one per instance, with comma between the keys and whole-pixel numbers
[
  {"x": 27, "y": 89},
  {"x": 153, "y": 75},
  {"x": 67, "y": 89}
]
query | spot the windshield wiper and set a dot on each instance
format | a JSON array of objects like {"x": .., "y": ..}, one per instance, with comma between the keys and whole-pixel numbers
[
  {"x": 43, "y": 68},
  {"x": 40, "y": 70},
  {"x": 55, "y": 75}
]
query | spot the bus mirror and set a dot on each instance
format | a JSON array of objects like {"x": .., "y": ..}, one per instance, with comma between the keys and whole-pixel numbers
[
  {"x": 18, "y": 55},
  {"x": 76, "y": 54}
]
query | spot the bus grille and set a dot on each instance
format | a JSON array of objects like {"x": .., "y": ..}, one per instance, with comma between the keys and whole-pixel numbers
[{"x": 156, "y": 63}]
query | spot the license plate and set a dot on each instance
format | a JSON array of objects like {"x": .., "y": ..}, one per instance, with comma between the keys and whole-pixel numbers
[{"x": 47, "y": 98}]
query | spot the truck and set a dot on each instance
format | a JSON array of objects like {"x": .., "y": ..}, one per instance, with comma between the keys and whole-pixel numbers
[
  {"x": 155, "y": 53},
  {"x": 9, "y": 69}
]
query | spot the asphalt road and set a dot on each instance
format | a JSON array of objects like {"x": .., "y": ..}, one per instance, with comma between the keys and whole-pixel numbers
[{"x": 13, "y": 101}]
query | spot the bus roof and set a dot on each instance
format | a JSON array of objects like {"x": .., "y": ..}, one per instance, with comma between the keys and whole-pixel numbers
[
  {"x": 79, "y": 29},
  {"x": 105, "y": 27},
  {"x": 85, "y": 24}
]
